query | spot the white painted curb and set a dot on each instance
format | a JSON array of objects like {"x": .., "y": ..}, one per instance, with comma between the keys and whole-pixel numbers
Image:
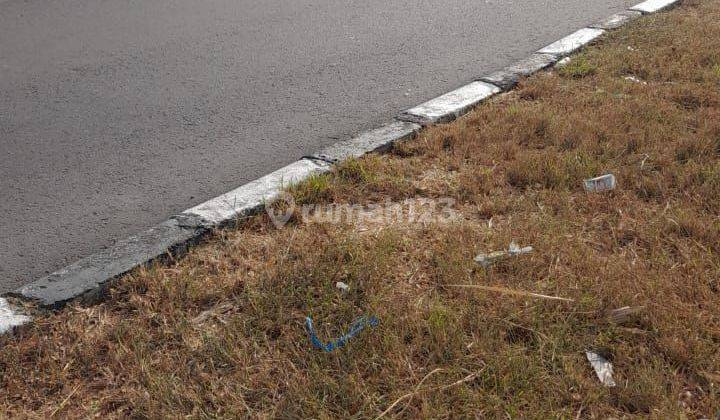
[
  {"x": 451, "y": 105},
  {"x": 250, "y": 197},
  {"x": 508, "y": 77},
  {"x": 378, "y": 140},
  {"x": 572, "y": 42},
  {"x": 652, "y": 6},
  {"x": 617, "y": 20}
]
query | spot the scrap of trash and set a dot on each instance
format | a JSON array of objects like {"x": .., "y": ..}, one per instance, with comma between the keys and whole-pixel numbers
[
  {"x": 621, "y": 315},
  {"x": 603, "y": 368},
  {"x": 601, "y": 183},
  {"x": 9, "y": 319},
  {"x": 342, "y": 286},
  {"x": 487, "y": 260},
  {"x": 635, "y": 80},
  {"x": 355, "y": 329},
  {"x": 564, "y": 62}
]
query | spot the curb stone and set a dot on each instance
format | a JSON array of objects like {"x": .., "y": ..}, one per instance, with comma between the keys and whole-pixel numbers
[
  {"x": 572, "y": 42},
  {"x": 88, "y": 278},
  {"x": 378, "y": 140},
  {"x": 249, "y": 198},
  {"x": 451, "y": 105},
  {"x": 617, "y": 20},
  {"x": 508, "y": 77},
  {"x": 653, "y": 6}
]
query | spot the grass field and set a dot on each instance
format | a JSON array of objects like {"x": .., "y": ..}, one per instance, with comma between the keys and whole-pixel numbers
[{"x": 221, "y": 332}]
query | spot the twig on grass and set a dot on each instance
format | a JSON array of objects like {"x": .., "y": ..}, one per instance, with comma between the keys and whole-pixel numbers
[
  {"x": 468, "y": 378},
  {"x": 65, "y": 401},
  {"x": 410, "y": 395},
  {"x": 510, "y": 291}
]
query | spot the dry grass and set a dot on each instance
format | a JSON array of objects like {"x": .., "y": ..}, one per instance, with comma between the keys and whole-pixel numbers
[{"x": 221, "y": 334}]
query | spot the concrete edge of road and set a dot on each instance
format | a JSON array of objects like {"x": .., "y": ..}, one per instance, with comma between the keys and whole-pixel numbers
[{"x": 88, "y": 279}]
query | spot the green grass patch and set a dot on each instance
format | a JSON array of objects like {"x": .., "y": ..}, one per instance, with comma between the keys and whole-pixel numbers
[{"x": 578, "y": 68}]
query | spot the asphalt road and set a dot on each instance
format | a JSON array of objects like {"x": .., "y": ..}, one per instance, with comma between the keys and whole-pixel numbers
[{"x": 115, "y": 114}]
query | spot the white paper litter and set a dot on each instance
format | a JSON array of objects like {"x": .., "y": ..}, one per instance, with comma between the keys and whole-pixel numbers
[
  {"x": 488, "y": 259},
  {"x": 342, "y": 286},
  {"x": 514, "y": 249},
  {"x": 564, "y": 62},
  {"x": 9, "y": 318},
  {"x": 601, "y": 183},
  {"x": 603, "y": 368},
  {"x": 635, "y": 80}
]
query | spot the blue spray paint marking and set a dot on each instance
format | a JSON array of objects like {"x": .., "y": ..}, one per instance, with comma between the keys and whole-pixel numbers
[{"x": 355, "y": 328}]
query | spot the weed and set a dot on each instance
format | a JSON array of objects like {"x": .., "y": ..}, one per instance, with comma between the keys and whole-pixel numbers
[
  {"x": 578, "y": 68},
  {"x": 313, "y": 190},
  {"x": 356, "y": 170}
]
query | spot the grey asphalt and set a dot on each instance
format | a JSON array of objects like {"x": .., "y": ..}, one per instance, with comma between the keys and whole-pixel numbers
[{"x": 116, "y": 114}]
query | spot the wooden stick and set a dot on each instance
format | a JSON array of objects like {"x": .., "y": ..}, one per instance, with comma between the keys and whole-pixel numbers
[{"x": 510, "y": 291}]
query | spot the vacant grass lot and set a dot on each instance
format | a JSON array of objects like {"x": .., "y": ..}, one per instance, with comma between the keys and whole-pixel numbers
[{"x": 221, "y": 332}]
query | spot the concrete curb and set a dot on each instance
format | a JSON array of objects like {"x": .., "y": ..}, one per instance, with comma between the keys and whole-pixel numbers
[
  {"x": 90, "y": 277},
  {"x": 378, "y": 140},
  {"x": 654, "y": 6},
  {"x": 617, "y": 20},
  {"x": 451, "y": 105},
  {"x": 249, "y": 198},
  {"x": 572, "y": 42},
  {"x": 508, "y": 77}
]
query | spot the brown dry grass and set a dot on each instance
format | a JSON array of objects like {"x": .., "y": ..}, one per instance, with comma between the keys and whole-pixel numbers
[{"x": 220, "y": 333}]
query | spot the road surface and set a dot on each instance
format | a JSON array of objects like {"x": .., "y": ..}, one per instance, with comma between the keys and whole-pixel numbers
[{"x": 115, "y": 114}]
